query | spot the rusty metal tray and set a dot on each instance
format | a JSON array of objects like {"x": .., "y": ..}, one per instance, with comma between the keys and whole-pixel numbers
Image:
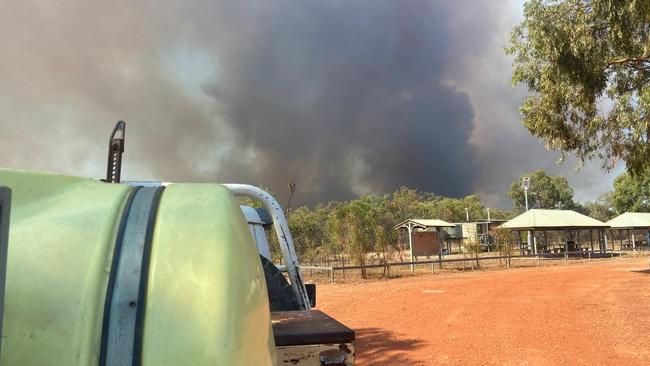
[{"x": 297, "y": 328}]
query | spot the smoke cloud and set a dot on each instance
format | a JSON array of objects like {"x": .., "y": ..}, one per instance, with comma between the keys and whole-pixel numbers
[{"x": 344, "y": 97}]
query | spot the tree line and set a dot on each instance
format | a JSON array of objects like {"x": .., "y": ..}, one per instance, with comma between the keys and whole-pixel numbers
[
  {"x": 628, "y": 194},
  {"x": 364, "y": 226},
  {"x": 362, "y": 229}
]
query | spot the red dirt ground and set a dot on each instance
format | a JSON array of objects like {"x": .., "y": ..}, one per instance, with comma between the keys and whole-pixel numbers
[{"x": 589, "y": 314}]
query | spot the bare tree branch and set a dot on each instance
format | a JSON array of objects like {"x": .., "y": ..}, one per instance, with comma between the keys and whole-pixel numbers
[{"x": 637, "y": 63}]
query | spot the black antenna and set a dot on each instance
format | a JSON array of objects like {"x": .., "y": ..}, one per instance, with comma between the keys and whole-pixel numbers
[{"x": 115, "y": 150}]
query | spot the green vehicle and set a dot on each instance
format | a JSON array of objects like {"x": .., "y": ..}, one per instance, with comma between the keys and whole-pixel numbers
[{"x": 149, "y": 273}]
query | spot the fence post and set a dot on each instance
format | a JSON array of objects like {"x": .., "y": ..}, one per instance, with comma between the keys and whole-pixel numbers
[
  {"x": 387, "y": 270},
  {"x": 433, "y": 267},
  {"x": 331, "y": 274}
]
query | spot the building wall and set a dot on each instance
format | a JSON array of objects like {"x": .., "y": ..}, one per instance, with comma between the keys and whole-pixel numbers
[{"x": 469, "y": 232}]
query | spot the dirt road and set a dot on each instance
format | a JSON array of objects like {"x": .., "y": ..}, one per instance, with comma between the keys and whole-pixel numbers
[{"x": 589, "y": 314}]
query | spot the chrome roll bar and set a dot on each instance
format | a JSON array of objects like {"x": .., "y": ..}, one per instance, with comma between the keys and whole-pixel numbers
[{"x": 283, "y": 234}]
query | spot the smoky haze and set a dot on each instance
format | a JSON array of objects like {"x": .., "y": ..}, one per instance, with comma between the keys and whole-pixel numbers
[
  {"x": 344, "y": 97},
  {"x": 348, "y": 98}
]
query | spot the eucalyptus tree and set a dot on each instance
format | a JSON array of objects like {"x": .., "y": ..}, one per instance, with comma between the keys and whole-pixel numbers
[
  {"x": 544, "y": 192},
  {"x": 631, "y": 193},
  {"x": 586, "y": 64}
]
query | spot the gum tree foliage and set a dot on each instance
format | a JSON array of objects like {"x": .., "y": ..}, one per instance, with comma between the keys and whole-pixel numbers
[
  {"x": 505, "y": 244},
  {"x": 631, "y": 194},
  {"x": 360, "y": 226},
  {"x": 361, "y": 230},
  {"x": 453, "y": 209},
  {"x": 307, "y": 232},
  {"x": 407, "y": 203},
  {"x": 586, "y": 64},
  {"x": 544, "y": 192},
  {"x": 601, "y": 209},
  {"x": 496, "y": 213}
]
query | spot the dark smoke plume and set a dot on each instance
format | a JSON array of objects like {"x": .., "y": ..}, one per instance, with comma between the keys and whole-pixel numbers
[
  {"x": 345, "y": 97},
  {"x": 348, "y": 97}
]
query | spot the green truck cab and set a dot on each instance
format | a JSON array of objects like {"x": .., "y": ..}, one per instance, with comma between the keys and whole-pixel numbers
[
  {"x": 147, "y": 273},
  {"x": 150, "y": 274}
]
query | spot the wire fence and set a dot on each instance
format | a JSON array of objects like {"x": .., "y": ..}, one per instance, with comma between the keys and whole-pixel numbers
[{"x": 334, "y": 274}]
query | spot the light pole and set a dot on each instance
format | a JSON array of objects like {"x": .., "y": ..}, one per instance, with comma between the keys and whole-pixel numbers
[
  {"x": 526, "y": 196},
  {"x": 466, "y": 214},
  {"x": 525, "y": 181}
]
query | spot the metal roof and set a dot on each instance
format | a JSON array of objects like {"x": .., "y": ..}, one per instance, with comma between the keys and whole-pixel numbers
[
  {"x": 423, "y": 223},
  {"x": 552, "y": 219},
  {"x": 630, "y": 220}
]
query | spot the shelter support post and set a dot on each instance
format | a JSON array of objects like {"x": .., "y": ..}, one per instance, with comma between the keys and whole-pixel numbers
[
  {"x": 591, "y": 239},
  {"x": 600, "y": 240},
  {"x": 517, "y": 240},
  {"x": 441, "y": 233},
  {"x": 410, "y": 230},
  {"x": 487, "y": 236},
  {"x": 566, "y": 245},
  {"x": 580, "y": 241},
  {"x": 620, "y": 238},
  {"x": 629, "y": 238},
  {"x": 517, "y": 243}
]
